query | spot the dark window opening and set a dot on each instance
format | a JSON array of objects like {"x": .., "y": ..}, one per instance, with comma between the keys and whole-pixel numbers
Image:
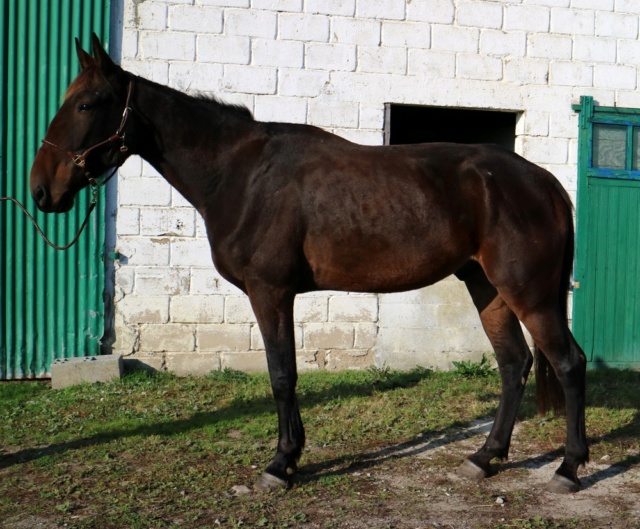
[{"x": 419, "y": 124}]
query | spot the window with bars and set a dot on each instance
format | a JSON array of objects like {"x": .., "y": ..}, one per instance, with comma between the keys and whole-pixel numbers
[{"x": 615, "y": 147}]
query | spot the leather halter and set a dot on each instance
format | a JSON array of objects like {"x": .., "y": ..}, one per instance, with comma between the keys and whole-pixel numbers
[{"x": 80, "y": 160}]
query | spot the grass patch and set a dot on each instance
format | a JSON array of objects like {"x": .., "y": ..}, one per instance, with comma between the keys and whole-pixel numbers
[{"x": 164, "y": 452}]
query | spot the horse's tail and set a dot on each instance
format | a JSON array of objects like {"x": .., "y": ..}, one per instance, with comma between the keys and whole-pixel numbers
[{"x": 549, "y": 392}]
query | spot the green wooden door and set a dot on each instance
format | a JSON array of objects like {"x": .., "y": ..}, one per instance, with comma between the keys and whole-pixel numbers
[
  {"x": 606, "y": 299},
  {"x": 51, "y": 303}
]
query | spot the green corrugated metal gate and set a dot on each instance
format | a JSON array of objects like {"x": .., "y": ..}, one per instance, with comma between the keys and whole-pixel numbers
[
  {"x": 606, "y": 316},
  {"x": 51, "y": 303}
]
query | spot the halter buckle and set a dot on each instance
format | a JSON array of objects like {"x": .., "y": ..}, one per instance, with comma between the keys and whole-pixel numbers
[{"x": 79, "y": 160}]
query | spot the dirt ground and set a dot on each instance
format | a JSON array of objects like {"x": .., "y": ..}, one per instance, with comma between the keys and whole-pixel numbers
[{"x": 427, "y": 496}]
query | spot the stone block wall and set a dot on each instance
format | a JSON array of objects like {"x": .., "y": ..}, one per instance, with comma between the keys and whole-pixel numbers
[{"x": 335, "y": 64}]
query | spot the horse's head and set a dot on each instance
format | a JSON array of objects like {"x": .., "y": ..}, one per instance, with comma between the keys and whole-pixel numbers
[{"x": 87, "y": 135}]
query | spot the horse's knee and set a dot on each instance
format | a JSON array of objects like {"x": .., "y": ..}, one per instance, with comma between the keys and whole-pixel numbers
[{"x": 284, "y": 386}]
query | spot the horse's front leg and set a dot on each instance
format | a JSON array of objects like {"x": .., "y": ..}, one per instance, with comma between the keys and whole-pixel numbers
[{"x": 274, "y": 312}]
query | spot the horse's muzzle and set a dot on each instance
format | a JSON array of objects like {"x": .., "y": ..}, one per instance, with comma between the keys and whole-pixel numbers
[{"x": 42, "y": 198}]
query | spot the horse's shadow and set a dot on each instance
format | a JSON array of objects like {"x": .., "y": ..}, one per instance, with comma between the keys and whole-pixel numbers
[{"x": 349, "y": 463}]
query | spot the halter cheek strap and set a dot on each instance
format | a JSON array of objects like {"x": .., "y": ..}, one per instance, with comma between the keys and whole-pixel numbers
[{"x": 80, "y": 160}]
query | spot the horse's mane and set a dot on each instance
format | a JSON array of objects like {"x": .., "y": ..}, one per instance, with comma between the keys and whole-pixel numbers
[{"x": 209, "y": 100}]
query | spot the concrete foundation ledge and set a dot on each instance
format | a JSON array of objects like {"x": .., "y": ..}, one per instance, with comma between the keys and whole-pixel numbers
[{"x": 70, "y": 371}]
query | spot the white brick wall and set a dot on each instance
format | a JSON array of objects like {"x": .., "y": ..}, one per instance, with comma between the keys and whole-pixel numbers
[{"x": 334, "y": 64}]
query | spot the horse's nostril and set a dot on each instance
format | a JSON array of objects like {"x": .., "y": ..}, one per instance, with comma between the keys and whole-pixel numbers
[{"x": 40, "y": 195}]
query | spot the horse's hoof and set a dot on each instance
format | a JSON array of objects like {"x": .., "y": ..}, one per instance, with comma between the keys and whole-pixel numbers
[
  {"x": 470, "y": 470},
  {"x": 561, "y": 485},
  {"x": 269, "y": 482}
]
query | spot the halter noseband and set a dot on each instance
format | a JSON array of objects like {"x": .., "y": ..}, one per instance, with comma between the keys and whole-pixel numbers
[{"x": 80, "y": 160}]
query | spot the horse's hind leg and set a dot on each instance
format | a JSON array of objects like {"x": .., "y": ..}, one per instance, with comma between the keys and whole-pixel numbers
[
  {"x": 551, "y": 335},
  {"x": 274, "y": 311},
  {"x": 514, "y": 363}
]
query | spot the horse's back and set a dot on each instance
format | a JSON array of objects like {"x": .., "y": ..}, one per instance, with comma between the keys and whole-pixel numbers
[{"x": 392, "y": 218}]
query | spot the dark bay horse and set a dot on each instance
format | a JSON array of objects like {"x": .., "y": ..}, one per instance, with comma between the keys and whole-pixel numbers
[{"x": 291, "y": 208}]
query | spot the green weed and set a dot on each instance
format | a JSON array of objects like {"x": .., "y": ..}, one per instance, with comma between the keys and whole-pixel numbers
[{"x": 471, "y": 369}]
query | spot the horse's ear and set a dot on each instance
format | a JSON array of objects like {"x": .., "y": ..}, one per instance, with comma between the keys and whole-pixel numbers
[
  {"x": 102, "y": 58},
  {"x": 83, "y": 57}
]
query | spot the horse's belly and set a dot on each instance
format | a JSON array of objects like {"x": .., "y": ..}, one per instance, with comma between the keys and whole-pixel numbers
[{"x": 374, "y": 268}]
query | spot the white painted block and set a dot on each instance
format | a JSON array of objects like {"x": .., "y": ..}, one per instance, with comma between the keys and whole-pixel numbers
[
  {"x": 570, "y": 74},
  {"x": 197, "y": 309},
  {"x": 224, "y": 49},
  {"x": 387, "y": 9},
  {"x": 225, "y": 3},
  {"x": 167, "y": 337},
  {"x": 249, "y": 79},
  {"x": 620, "y": 26},
  {"x": 311, "y": 308},
  {"x": 628, "y": 52},
  {"x": 437, "y": 11},
  {"x": 327, "y": 112},
  {"x": 281, "y": 109},
  {"x": 320, "y": 56},
  {"x": 331, "y": 7},
  {"x": 190, "y": 252},
  {"x": 223, "y": 337},
  {"x": 144, "y": 309},
  {"x": 473, "y": 66},
  {"x": 301, "y": 83},
  {"x": 455, "y": 39},
  {"x": 128, "y": 221},
  {"x": 406, "y": 34},
  {"x": 196, "y": 77},
  {"x": 545, "y": 150},
  {"x": 615, "y": 76},
  {"x": 328, "y": 335},
  {"x": 549, "y": 46},
  {"x": 382, "y": 60},
  {"x": 597, "y": 5},
  {"x": 355, "y": 31},
  {"x": 174, "y": 222},
  {"x": 572, "y": 21},
  {"x": 277, "y": 5},
  {"x": 303, "y": 27},
  {"x": 250, "y": 23},
  {"x": 371, "y": 117},
  {"x": 627, "y": 6},
  {"x": 195, "y": 19},
  {"x": 282, "y": 53},
  {"x": 154, "y": 280},
  {"x": 479, "y": 14},
  {"x": 530, "y": 18},
  {"x": 141, "y": 251},
  {"x": 168, "y": 46},
  {"x": 237, "y": 309},
  {"x": 434, "y": 64},
  {"x": 151, "y": 16},
  {"x": 207, "y": 280},
  {"x": 594, "y": 49},
  {"x": 137, "y": 192},
  {"x": 156, "y": 71},
  {"x": 353, "y": 308},
  {"x": 526, "y": 71},
  {"x": 494, "y": 42}
]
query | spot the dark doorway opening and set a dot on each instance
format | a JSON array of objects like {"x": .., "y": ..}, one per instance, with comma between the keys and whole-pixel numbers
[{"x": 419, "y": 124}]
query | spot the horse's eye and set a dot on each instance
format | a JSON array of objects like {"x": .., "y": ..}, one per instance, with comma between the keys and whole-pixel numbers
[{"x": 84, "y": 107}]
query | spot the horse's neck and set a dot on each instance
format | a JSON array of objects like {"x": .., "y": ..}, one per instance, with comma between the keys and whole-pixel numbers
[{"x": 185, "y": 140}]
